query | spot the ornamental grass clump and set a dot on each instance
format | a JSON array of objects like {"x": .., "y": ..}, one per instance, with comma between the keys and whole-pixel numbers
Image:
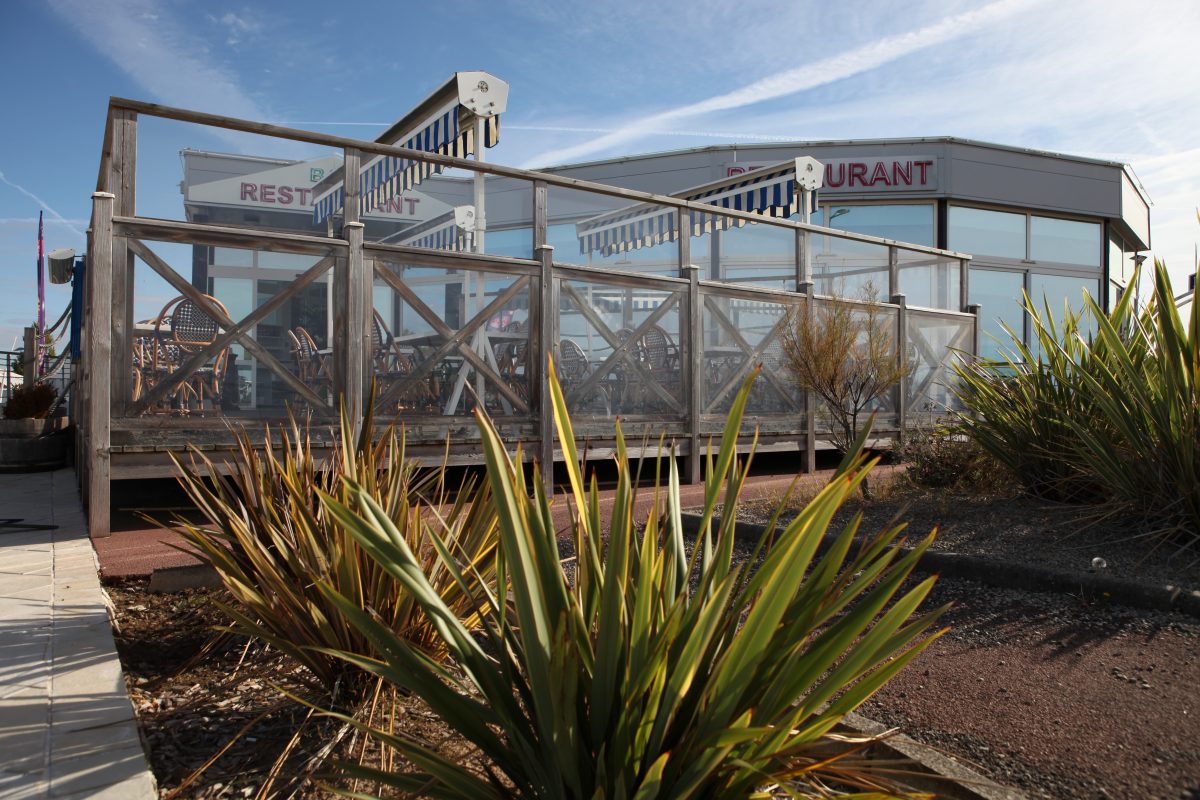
[
  {"x": 1111, "y": 419},
  {"x": 271, "y": 540},
  {"x": 660, "y": 670}
]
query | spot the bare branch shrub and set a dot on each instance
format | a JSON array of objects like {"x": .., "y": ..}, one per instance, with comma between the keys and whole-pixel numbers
[{"x": 844, "y": 352}]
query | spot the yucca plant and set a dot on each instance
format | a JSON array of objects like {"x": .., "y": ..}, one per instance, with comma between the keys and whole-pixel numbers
[
  {"x": 658, "y": 671},
  {"x": 271, "y": 540},
  {"x": 1019, "y": 405},
  {"x": 1110, "y": 419}
]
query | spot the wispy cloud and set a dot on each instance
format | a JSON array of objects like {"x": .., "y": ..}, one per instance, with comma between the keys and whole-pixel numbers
[
  {"x": 158, "y": 52},
  {"x": 810, "y": 76},
  {"x": 59, "y": 218},
  {"x": 237, "y": 27}
]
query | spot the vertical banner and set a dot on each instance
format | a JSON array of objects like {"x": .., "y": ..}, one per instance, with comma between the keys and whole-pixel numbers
[{"x": 40, "y": 339}]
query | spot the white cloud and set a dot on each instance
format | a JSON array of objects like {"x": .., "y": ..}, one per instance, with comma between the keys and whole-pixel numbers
[{"x": 167, "y": 60}]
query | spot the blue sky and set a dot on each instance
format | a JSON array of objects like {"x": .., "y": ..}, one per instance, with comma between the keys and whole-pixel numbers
[{"x": 1113, "y": 80}]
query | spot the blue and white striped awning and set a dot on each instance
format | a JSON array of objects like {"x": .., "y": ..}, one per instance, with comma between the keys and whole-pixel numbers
[
  {"x": 453, "y": 231},
  {"x": 443, "y": 124},
  {"x": 770, "y": 191}
]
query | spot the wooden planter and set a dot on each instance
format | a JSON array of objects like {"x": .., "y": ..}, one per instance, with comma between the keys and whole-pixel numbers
[{"x": 32, "y": 444}]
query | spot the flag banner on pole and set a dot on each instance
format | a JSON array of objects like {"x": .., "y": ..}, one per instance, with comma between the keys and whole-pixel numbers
[{"x": 41, "y": 307}]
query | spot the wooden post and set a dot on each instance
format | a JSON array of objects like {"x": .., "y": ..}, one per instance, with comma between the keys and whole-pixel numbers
[
  {"x": 977, "y": 334},
  {"x": 122, "y": 182},
  {"x": 351, "y": 297},
  {"x": 690, "y": 336},
  {"x": 99, "y": 362},
  {"x": 547, "y": 344},
  {"x": 893, "y": 271},
  {"x": 358, "y": 321},
  {"x": 810, "y": 399},
  {"x": 964, "y": 283},
  {"x": 901, "y": 358}
]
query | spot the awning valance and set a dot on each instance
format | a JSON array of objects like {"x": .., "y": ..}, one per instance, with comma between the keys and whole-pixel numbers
[
  {"x": 453, "y": 231},
  {"x": 444, "y": 123},
  {"x": 770, "y": 191}
]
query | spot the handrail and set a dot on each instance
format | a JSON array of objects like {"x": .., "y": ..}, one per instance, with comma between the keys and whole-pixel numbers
[{"x": 330, "y": 140}]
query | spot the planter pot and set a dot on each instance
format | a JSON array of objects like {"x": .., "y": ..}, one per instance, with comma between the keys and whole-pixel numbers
[{"x": 33, "y": 444}]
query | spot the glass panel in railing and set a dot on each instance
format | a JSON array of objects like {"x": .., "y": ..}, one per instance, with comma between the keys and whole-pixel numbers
[
  {"x": 447, "y": 212},
  {"x": 445, "y": 340},
  {"x": 600, "y": 231},
  {"x": 619, "y": 350},
  {"x": 738, "y": 333},
  {"x": 847, "y": 268},
  {"x": 934, "y": 342},
  {"x": 227, "y": 177},
  {"x": 258, "y": 349},
  {"x": 761, "y": 255},
  {"x": 928, "y": 280}
]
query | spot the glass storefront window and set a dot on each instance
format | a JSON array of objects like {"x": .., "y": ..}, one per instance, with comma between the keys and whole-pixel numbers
[
  {"x": 1058, "y": 292},
  {"x": 905, "y": 222},
  {"x": 286, "y": 261},
  {"x": 999, "y": 295},
  {"x": 232, "y": 257},
  {"x": 1064, "y": 241},
  {"x": 981, "y": 232}
]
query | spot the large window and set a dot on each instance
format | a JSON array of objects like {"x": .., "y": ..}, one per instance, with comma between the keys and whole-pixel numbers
[
  {"x": 907, "y": 222},
  {"x": 1016, "y": 236},
  {"x": 1065, "y": 241},
  {"x": 999, "y": 295},
  {"x": 981, "y": 232},
  {"x": 1058, "y": 293}
]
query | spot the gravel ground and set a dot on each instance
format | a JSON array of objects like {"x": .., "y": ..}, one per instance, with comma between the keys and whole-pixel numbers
[
  {"x": 1045, "y": 692},
  {"x": 1057, "y": 698}
]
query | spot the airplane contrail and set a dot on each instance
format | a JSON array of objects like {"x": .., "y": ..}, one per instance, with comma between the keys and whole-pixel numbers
[{"x": 834, "y": 68}]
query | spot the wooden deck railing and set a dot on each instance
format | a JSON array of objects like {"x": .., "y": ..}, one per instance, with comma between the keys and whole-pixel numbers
[{"x": 665, "y": 353}]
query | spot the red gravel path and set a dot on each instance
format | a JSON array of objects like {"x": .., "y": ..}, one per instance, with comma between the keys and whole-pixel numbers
[{"x": 1061, "y": 700}]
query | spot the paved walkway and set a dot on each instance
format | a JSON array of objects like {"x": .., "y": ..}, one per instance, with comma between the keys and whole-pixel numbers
[{"x": 66, "y": 724}]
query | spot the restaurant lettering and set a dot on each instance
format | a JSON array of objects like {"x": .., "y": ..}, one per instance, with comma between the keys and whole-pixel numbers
[
  {"x": 851, "y": 174},
  {"x": 846, "y": 174},
  {"x": 301, "y": 196}
]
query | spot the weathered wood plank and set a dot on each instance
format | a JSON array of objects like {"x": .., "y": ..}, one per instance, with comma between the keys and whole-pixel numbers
[
  {"x": 167, "y": 230},
  {"x": 99, "y": 357},
  {"x": 123, "y": 179}
]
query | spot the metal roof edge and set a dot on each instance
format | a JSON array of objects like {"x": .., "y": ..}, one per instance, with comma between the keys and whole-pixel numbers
[{"x": 717, "y": 148}]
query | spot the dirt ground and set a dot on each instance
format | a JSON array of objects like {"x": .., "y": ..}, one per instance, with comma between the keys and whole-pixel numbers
[{"x": 1039, "y": 691}]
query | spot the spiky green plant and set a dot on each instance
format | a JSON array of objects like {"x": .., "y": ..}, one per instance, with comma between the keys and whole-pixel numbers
[
  {"x": 657, "y": 671},
  {"x": 1110, "y": 419},
  {"x": 270, "y": 540}
]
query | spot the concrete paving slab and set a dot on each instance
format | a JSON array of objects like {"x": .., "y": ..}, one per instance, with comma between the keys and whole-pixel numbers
[{"x": 66, "y": 723}]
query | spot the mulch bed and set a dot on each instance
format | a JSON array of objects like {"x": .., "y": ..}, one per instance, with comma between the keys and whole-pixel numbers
[{"x": 1057, "y": 696}]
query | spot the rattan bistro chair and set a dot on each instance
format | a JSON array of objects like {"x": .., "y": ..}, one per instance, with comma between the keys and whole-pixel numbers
[
  {"x": 191, "y": 330},
  {"x": 312, "y": 366}
]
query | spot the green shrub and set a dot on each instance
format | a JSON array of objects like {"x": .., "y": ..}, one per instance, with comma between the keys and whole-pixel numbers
[
  {"x": 271, "y": 540},
  {"x": 657, "y": 671},
  {"x": 30, "y": 401},
  {"x": 1111, "y": 419}
]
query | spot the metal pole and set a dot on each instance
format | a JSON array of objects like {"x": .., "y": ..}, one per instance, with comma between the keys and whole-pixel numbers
[
  {"x": 480, "y": 189},
  {"x": 804, "y": 279}
]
